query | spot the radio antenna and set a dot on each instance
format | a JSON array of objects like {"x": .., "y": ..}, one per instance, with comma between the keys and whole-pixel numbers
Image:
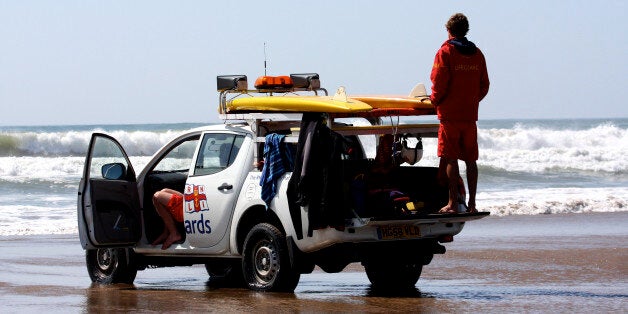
[{"x": 264, "y": 58}]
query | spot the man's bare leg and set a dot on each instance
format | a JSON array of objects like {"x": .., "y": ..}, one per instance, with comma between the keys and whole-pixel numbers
[
  {"x": 453, "y": 174},
  {"x": 160, "y": 200},
  {"x": 441, "y": 175},
  {"x": 472, "y": 182},
  {"x": 162, "y": 237}
]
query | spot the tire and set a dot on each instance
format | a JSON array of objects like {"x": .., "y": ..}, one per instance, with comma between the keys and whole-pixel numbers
[
  {"x": 226, "y": 273},
  {"x": 332, "y": 268},
  {"x": 266, "y": 262},
  {"x": 110, "y": 266},
  {"x": 393, "y": 276}
]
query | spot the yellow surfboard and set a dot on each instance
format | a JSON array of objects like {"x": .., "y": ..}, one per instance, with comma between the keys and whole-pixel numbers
[
  {"x": 296, "y": 104},
  {"x": 395, "y": 102}
]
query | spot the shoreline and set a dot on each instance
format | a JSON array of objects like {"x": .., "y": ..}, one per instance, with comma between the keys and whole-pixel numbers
[{"x": 492, "y": 225}]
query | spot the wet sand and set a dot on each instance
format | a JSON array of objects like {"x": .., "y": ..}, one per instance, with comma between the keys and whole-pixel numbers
[{"x": 543, "y": 263}]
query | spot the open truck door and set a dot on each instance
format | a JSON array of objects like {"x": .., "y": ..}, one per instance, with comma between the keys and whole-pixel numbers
[{"x": 108, "y": 201}]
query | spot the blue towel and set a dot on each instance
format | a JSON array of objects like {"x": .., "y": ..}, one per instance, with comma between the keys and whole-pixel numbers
[{"x": 274, "y": 166}]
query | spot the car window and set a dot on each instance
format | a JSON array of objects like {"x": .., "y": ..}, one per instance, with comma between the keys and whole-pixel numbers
[
  {"x": 218, "y": 151},
  {"x": 105, "y": 151},
  {"x": 179, "y": 158}
]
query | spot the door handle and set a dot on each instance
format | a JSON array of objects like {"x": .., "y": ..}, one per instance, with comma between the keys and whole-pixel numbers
[{"x": 225, "y": 186}]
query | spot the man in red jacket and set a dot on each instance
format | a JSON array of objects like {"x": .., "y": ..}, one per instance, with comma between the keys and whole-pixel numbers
[{"x": 459, "y": 81}]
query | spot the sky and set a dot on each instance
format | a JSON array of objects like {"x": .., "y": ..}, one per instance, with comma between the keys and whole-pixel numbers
[{"x": 117, "y": 62}]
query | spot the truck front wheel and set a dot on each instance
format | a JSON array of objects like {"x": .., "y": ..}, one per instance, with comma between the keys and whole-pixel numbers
[
  {"x": 265, "y": 260},
  {"x": 109, "y": 266},
  {"x": 225, "y": 273},
  {"x": 397, "y": 277}
]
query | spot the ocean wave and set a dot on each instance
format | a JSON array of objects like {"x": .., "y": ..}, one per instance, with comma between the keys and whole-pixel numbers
[
  {"x": 524, "y": 170},
  {"x": 46, "y": 170},
  {"x": 517, "y": 148},
  {"x": 554, "y": 201},
  {"x": 75, "y": 143},
  {"x": 32, "y": 220},
  {"x": 57, "y": 215},
  {"x": 600, "y": 149}
]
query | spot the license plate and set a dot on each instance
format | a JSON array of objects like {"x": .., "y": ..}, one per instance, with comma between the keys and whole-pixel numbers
[{"x": 398, "y": 232}]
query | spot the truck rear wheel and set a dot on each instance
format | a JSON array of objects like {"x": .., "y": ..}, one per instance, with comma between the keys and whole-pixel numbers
[
  {"x": 265, "y": 260},
  {"x": 110, "y": 265},
  {"x": 393, "y": 276}
]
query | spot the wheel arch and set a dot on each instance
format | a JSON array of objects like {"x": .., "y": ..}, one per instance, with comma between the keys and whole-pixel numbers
[{"x": 252, "y": 216}]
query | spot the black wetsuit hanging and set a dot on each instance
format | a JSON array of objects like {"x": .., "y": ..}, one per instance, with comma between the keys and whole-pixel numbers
[{"x": 316, "y": 181}]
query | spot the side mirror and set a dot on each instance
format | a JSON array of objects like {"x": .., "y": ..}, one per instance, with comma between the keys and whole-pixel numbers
[{"x": 113, "y": 171}]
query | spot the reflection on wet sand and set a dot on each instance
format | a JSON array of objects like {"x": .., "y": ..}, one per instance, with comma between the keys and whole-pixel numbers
[
  {"x": 354, "y": 294},
  {"x": 531, "y": 264}
]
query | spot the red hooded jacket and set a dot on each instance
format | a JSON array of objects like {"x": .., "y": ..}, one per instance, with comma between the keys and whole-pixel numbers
[{"x": 459, "y": 80}]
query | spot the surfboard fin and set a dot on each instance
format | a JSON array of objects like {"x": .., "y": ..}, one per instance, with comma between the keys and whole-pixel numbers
[
  {"x": 341, "y": 94},
  {"x": 418, "y": 91}
]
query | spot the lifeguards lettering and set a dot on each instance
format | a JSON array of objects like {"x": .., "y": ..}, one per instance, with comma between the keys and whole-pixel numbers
[
  {"x": 467, "y": 67},
  {"x": 201, "y": 226}
]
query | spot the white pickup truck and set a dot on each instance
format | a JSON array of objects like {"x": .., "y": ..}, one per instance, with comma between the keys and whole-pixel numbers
[{"x": 330, "y": 208}]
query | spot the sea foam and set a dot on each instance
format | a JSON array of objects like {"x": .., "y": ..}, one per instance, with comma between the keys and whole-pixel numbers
[
  {"x": 59, "y": 217},
  {"x": 59, "y": 170},
  {"x": 553, "y": 201},
  {"x": 75, "y": 143},
  {"x": 524, "y": 170},
  {"x": 600, "y": 149}
]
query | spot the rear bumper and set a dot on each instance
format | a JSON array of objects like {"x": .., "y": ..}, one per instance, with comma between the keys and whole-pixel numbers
[
  {"x": 410, "y": 227},
  {"x": 429, "y": 218}
]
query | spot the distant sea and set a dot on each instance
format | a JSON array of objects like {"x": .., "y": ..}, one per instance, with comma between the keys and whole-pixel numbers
[{"x": 526, "y": 167}]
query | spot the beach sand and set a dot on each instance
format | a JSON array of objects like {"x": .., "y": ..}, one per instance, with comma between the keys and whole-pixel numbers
[{"x": 543, "y": 263}]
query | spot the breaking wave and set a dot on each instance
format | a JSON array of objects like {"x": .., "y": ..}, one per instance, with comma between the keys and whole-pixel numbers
[
  {"x": 600, "y": 149},
  {"x": 530, "y": 168},
  {"x": 75, "y": 143}
]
